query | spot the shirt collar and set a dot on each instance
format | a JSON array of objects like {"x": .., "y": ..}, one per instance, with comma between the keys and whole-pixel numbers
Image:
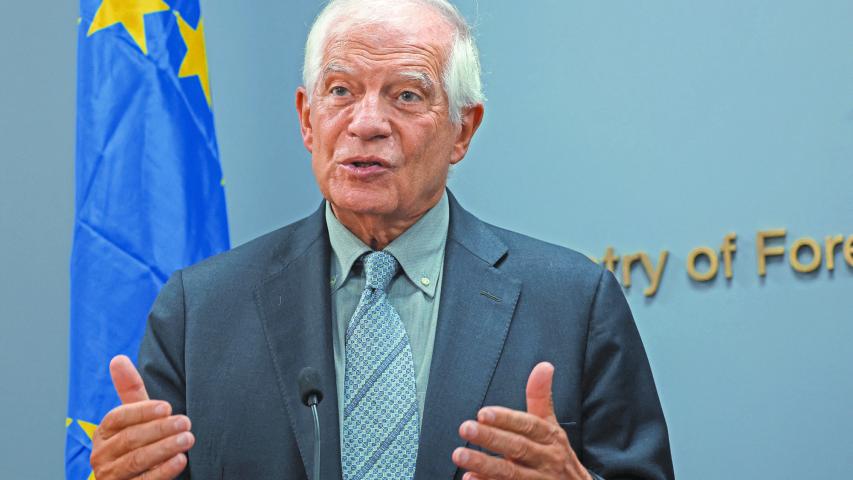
[{"x": 419, "y": 250}]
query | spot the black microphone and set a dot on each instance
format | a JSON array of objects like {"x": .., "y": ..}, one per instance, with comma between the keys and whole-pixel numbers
[{"x": 312, "y": 395}]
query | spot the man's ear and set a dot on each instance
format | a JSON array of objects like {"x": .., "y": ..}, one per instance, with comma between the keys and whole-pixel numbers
[
  {"x": 471, "y": 118},
  {"x": 303, "y": 109}
]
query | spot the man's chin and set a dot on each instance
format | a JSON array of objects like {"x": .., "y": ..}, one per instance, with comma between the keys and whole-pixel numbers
[{"x": 364, "y": 202}]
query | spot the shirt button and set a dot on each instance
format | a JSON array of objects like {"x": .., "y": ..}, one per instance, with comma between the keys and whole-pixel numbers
[
  {"x": 425, "y": 281},
  {"x": 332, "y": 281}
]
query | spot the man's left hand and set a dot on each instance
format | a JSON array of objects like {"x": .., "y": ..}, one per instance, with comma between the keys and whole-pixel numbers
[{"x": 532, "y": 444}]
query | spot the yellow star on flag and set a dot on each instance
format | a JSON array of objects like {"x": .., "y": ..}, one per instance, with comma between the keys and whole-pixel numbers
[
  {"x": 130, "y": 13},
  {"x": 195, "y": 61},
  {"x": 89, "y": 428}
]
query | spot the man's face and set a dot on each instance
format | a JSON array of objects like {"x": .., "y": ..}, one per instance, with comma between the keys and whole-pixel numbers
[{"x": 378, "y": 124}]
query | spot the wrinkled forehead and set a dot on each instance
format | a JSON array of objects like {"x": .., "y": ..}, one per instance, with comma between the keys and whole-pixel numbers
[{"x": 418, "y": 36}]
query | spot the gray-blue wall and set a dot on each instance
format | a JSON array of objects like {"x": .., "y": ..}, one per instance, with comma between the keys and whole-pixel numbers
[
  {"x": 37, "y": 85},
  {"x": 642, "y": 125}
]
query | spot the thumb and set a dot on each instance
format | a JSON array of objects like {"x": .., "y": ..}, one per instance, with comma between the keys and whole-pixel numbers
[
  {"x": 539, "y": 399},
  {"x": 126, "y": 380}
]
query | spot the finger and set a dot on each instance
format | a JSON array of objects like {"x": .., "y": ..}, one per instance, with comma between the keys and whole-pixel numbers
[
  {"x": 126, "y": 380},
  {"x": 166, "y": 470},
  {"x": 511, "y": 445},
  {"x": 138, "y": 436},
  {"x": 482, "y": 465},
  {"x": 472, "y": 476},
  {"x": 522, "y": 423},
  {"x": 539, "y": 399},
  {"x": 138, "y": 461},
  {"x": 125, "y": 416}
]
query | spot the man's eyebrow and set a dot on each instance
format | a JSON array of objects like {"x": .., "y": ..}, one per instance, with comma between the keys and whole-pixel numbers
[
  {"x": 335, "y": 68},
  {"x": 424, "y": 79}
]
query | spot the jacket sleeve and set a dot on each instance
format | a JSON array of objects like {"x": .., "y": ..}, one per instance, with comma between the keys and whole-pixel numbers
[
  {"x": 161, "y": 355},
  {"x": 624, "y": 430}
]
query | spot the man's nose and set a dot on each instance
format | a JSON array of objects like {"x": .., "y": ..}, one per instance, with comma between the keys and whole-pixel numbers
[{"x": 369, "y": 120}]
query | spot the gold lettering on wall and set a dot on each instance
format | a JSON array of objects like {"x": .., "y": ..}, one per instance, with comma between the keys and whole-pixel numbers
[
  {"x": 627, "y": 263},
  {"x": 806, "y": 255},
  {"x": 728, "y": 250},
  {"x": 794, "y": 258},
  {"x": 653, "y": 273},
  {"x": 831, "y": 243},
  {"x": 713, "y": 267},
  {"x": 764, "y": 251},
  {"x": 610, "y": 259}
]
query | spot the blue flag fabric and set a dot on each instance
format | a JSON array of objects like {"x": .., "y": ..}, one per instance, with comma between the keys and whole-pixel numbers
[{"x": 149, "y": 194}]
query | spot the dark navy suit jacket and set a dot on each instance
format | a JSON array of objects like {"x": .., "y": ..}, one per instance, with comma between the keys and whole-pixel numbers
[{"x": 227, "y": 338}]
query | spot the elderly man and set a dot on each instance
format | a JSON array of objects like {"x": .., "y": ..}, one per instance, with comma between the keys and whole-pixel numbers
[{"x": 424, "y": 322}]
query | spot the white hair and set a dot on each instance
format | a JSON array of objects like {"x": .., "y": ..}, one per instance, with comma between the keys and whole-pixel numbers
[{"x": 461, "y": 74}]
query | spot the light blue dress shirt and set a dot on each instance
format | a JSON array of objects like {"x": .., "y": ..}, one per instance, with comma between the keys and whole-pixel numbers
[{"x": 414, "y": 293}]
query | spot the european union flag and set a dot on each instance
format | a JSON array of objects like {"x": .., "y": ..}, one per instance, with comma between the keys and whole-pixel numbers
[{"x": 149, "y": 196}]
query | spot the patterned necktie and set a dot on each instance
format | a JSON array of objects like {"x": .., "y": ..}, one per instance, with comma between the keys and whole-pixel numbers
[{"x": 381, "y": 409}]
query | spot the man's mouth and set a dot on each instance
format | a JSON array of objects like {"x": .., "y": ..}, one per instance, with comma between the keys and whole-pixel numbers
[
  {"x": 366, "y": 164},
  {"x": 366, "y": 167}
]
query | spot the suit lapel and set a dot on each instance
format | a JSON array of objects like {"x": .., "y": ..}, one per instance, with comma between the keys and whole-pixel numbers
[
  {"x": 477, "y": 305},
  {"x": 295, "y": 310}
]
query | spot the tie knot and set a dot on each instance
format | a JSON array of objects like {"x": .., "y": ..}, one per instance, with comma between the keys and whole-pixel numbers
[{"x": 379, "y": 268}]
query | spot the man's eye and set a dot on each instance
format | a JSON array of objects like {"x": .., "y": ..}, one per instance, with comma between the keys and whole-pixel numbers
[
  {"x": 339, "y": 91},
  {"x": 408, "y": 96}
]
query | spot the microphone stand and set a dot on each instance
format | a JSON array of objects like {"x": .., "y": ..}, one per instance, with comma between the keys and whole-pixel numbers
[
  {"x": 312, "y": 402},
  {"x": 311, "y": 394}
]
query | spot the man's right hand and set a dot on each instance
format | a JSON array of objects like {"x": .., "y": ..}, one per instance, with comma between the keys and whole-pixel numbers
[{"x": 140, "y": 439}]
